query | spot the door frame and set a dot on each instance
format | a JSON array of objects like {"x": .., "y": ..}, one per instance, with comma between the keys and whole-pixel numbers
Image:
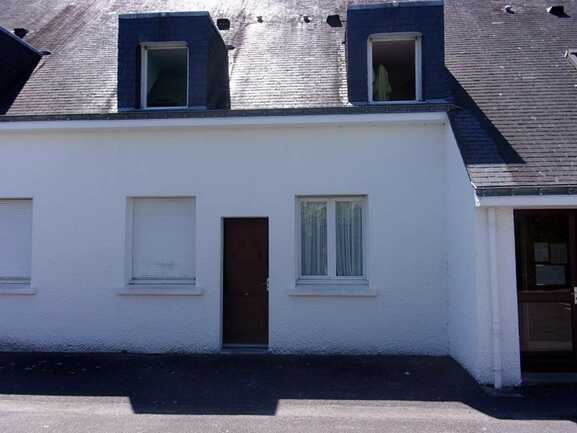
[
  {"x": 546, "y": 361},
  {"x": 221, "y": 273}
]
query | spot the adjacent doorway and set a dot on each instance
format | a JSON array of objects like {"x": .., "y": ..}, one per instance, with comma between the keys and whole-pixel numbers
[
  {"x": 546, "y": 244},
  {"x": 245, "y": 282}
]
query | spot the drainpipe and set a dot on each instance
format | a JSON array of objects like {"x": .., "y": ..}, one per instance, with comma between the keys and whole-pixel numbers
[{"x": 495, "y": 301}]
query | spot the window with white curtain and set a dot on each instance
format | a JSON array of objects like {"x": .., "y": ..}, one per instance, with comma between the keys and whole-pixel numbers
[
  {"x": 332, "y": 237},
  {"x": 15, "y": 241},
  {"x": 163, "y": 241}
]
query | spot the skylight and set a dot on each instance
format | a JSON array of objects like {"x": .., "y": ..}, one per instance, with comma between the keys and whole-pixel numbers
[{"x": 572, "y": 56}]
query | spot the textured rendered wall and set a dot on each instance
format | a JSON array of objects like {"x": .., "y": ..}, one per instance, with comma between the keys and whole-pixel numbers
[
  {"x": 363, "y": 21},
  {"x": 80, "y": 183},
  {"x": 463, "y": 297}
]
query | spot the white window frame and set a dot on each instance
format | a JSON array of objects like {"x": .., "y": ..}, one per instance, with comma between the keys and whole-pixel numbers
[
  {"x": 155, "y": 283},
  {"x": 384, "y": 37},
  {"x": 331, "y": 276},
  {"x": 144, "y": 48}
]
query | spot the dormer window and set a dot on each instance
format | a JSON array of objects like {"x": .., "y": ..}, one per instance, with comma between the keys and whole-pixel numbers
[
  {"x": 394, "y": 68},
  {"x": 164, "y": 75}
]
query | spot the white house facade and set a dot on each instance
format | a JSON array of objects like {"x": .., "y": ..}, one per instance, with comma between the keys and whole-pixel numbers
[{"x": 185, "y": 216}]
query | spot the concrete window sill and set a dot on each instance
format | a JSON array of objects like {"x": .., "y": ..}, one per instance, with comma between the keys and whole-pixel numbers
[
  {"x": 337, "y": 290},
  {"x": 160, "y": 290},
  {"x": 17, "y": 289}
]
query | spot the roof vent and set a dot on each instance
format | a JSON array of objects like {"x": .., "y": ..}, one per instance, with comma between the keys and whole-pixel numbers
[
  {"x": 223, "y": 23},
  {"x": 558, "y": 11},
  {"x": 334, "y": 21},
  {"x": 306, "y": 19},
  {"x": 509, "y": 9},
  {"x": 259, "y": 19},
  {"x": 20, "y": 32}
]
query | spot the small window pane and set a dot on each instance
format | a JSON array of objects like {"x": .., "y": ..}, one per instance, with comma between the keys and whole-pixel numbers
[
  {"x": 550, "y": 253},
  {"x": 163, "y": 239},
  {"x": 546, "y": 327},
  {"x": 349, "y": 226},
  {"x": 394, "y": 77},
  {"x": 15, "y": 239},
  {"x": 550, "y": 275},
  {"x": 166, "y": 77},
  {"x": 314, "y": 238}
]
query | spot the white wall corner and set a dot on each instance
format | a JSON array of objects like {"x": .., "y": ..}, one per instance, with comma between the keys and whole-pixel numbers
[{"x": 465, "y": 303}]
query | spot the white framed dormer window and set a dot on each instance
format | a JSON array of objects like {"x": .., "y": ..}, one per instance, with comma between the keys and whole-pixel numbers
[
  {"x": 15, "y": 243},
  {"x": 161, "y": 242},
  {"x": 331, "y": 233},
  {"x": 394, "y": 66},
  {"x": 164, "y": 75}
]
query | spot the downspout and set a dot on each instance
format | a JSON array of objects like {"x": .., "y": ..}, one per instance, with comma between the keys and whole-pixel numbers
[{"x": 495, "y": 301}]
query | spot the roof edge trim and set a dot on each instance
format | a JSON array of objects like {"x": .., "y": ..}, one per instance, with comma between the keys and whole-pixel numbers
[
  {"x": 21, "y": 41},
  {"x": 420, "y": 107},
  {"x": 422, "y": 118},
  {"x": 137, "y": 15},
  {"x": 400, "y": 4},
  {"x": 526, "y": 190}
]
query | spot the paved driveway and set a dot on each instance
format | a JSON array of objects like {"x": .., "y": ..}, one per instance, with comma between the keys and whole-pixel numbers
[{"x": 161, "y": 393}]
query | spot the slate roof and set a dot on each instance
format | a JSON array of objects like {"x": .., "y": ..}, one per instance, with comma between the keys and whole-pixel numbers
[
  {"x": 517, "y": 128},
  {"x": 520, "y": 126}
]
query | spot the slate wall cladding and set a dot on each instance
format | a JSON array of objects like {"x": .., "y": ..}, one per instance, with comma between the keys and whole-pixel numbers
[
  {"x": 423, "y": 17},
  {"x": 200, "y": 34},
  {"x": 218, "y": 79},
  {"x": 17, "y": 62}
]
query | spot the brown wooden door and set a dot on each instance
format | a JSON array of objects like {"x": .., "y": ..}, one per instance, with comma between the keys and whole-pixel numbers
[
  {"x": 245, "y": 289},
  {"x": 547, "y": 277}
]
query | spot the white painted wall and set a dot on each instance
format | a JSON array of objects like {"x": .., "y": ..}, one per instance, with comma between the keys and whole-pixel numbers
[
  {"x": 470, "y": 310},
  {"x": 464, "y": 299},
  {"x": 80, "y": 181}
]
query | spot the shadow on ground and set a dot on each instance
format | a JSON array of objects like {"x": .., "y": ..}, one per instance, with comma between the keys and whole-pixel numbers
[{"x": 253, "y": 385}]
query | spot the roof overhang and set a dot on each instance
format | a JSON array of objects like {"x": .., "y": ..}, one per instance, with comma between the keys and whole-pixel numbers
[
  {"x": 528, "y": 201},
  {"x": 240, "y": 120}
]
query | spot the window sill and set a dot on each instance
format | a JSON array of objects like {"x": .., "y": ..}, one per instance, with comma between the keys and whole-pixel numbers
[
  {"x": 160, "y": 290},
  {"x": 16, "y": 289},
  {"x": 353, "y": 288},
  {"x": 401, "y": 102}
]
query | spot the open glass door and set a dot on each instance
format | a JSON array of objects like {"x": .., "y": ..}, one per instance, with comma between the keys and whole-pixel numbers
[{"x": 546, "y": 274}]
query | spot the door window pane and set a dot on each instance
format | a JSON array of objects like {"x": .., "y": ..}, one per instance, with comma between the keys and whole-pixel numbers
[
  {"x": 314, "y": 238},
  {"x": 349, "y": 236},
  {"x": 550, "y": 275},
  {"x": 550, "y": 250}
]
